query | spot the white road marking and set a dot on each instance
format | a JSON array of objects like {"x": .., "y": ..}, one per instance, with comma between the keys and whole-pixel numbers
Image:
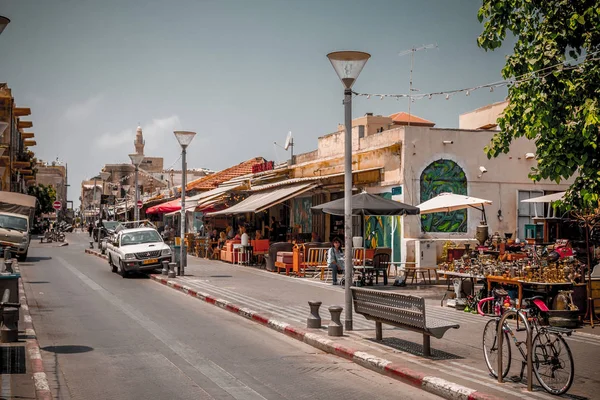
[{"x": 236, "y": 388}]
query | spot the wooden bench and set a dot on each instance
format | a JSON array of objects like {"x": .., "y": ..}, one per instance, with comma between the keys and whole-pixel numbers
[{"x": 403, "y": 311}]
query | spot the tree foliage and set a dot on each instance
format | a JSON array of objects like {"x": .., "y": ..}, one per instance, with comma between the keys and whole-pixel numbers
[
  {"x": 46, "y": 196},
  {"x": 555, "y": 98}
]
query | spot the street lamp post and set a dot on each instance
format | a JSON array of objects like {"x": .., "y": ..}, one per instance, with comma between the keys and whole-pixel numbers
[
  {"x": 104, "y": 176},
  {"x": 348, "y": 65},
  {"x": 136, "y": 160},
  {"x": 184, "y": 138},
  {"x": 94, "y": 198},
  {"x": 126, "y": 189}
]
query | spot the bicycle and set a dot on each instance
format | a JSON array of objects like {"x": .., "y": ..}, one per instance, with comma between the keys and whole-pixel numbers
[{"x": 552, "y": 360}]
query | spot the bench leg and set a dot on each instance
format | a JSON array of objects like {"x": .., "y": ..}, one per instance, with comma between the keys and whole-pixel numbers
[
  {"x": 378, "y": 331},
  {"x": 426, "y": 345}
]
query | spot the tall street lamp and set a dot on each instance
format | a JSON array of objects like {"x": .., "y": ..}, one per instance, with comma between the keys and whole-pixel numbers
[
  {"x": 3, "y": 22},
  {"x": 136, "y": 160},
  {"x": 126, "y": 189},
  {"x": 347, "y": 65},
  {"x": 104, "y": 175},
  {"x": 184, "y": 138}
]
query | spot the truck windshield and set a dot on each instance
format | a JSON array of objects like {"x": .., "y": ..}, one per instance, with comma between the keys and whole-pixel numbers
[
  {"x": 140, "y": 237},
  {"x": 12, "y": 222}
]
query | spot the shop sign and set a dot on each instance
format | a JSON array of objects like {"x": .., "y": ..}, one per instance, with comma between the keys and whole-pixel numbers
[
  {"x": 396, "y": 190},
  {"x": 266, "y": 166}
]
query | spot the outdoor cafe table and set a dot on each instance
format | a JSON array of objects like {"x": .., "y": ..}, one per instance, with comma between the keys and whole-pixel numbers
[
  {"x": 547, "y": 287},
  {"x": 462, "y": 276}
]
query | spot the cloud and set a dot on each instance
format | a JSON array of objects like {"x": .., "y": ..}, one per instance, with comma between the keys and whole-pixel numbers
[
  {"x": 154, "y": 132},
  {"x": 81, "y": 111}
]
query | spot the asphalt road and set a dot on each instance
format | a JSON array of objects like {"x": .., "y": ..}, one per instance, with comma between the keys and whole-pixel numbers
[{"x": 105, "y": 337}]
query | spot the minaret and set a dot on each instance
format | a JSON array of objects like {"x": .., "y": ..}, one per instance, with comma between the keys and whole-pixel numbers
[{"x": 139, "y": 141}]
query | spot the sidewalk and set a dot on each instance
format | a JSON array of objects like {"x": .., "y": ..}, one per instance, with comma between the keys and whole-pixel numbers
[
  {"x": 21, "y": 370},
  {"x": 457, "y": 358}
]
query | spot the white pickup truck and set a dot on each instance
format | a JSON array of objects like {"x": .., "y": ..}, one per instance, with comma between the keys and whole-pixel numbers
[{"x": 138, "y": 249}]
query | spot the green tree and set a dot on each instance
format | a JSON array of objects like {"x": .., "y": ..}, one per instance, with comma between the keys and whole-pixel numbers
[
  {"x": 554, "y": 99},
  {"x": 46, "y": 196}
]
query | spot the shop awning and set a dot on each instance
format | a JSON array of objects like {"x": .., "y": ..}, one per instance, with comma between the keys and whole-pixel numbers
[
  {"x": 211, "y": 194},
  {"x": 263, "y": 200},
  {"x": 549, "y": 198},
  {"x": 167, "y": 207}
]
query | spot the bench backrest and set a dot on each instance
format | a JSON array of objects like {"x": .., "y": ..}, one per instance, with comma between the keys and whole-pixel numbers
[
  {"x": 394, "y": 308},
  {"x": 317, "y": 256}
]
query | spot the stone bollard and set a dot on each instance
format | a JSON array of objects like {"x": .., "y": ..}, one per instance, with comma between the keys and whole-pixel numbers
[
  {"x": 335, "y": 327},
  {"x": 314, "y": 320},
  {"x": 91, "y": 244},
  {"x": 8, "y": 266},
  {"x": 165, "y": 269},
  {"x": 172, "y": 270},
  {"x": 9, "y": 330}
]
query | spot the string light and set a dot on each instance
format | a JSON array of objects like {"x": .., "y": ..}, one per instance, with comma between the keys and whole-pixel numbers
[{"x": 507, "y": 82}]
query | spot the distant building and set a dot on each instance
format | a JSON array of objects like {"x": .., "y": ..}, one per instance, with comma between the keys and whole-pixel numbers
[{"x": 16, "y": 157}]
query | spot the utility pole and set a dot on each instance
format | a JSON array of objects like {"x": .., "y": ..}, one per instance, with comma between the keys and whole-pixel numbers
[{"x": 412, "y": 61}]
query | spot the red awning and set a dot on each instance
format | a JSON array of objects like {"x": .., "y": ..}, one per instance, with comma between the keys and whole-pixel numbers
[{"x": 169, "y": 206}]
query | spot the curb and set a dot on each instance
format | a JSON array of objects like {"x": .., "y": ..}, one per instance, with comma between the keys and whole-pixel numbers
[
  {"x": 431, "y": 384},
  {"x": 42, "y": 388}
]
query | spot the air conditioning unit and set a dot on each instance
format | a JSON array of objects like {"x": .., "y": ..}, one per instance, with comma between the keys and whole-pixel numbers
[{"x": 425, "y": 253}]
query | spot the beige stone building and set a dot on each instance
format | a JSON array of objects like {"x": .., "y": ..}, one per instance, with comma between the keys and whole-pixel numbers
[
  {"x": 53, "y": 174},
  {"x": 415, "y": 162}
]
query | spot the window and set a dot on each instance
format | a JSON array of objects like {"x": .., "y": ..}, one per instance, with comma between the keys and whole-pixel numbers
[{"x": 526, "y": 211}]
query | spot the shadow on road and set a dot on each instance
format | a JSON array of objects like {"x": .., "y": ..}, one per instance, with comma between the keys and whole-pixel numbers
[
  {"x": 70, "y": 349},
  {"x": 36, "y": 282},
  {"x": 37, "y": 259}
]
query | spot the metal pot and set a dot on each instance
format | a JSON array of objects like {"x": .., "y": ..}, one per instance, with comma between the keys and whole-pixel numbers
[{"x": 482, "y": 234}]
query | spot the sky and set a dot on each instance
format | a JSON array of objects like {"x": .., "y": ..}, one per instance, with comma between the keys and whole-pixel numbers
[{"x": 240, "y": 73}]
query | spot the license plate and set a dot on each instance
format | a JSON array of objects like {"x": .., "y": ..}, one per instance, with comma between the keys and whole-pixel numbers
[{"x": 150, "y": 261}]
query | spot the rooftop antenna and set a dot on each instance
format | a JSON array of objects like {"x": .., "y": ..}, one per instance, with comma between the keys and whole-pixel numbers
[
  {"x": 289, "y": 142},
  {"x": 412, "y": 60}
]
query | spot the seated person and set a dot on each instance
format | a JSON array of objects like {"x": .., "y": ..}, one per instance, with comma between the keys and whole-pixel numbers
[{"x": 335, "y": 259}]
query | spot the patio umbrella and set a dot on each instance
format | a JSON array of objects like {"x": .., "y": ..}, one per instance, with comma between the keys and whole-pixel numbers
[
  {"x": 446, "y": 202},
  {"x": 368, "y": 204}
]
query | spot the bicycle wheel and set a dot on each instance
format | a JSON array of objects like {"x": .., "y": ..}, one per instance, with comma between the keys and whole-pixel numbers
[
  {"x": 490, "y": 348},
  {"x": 552, "y": 362}
]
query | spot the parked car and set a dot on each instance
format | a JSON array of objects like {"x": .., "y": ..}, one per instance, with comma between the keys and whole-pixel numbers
[
  {"x": 137, "y": 250},
  {"x": 108, "y": 232}
]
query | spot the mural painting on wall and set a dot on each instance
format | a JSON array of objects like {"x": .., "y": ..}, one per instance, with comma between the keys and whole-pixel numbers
[
  {"x": 379, "y": 231},
  {"x": 443, "y": 176},
  {"x": 302, "y": 214}
]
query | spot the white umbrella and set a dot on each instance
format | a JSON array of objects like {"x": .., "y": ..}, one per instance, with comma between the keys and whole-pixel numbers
[
  {"x": 446, "y": 202},
  {"x": 549, "y": 198}
]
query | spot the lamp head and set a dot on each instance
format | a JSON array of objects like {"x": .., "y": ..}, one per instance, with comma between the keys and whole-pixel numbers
[
  {"x": 528, "y": 156},
  {"x": 184, "y": 137},
  {"x": 126, "y": 188},
  {"x": 3, "y": 22},
  {"x": 136, "y": 159},
  {"x": 348, "y": 65},
  {"x": 104, "y": 175}
]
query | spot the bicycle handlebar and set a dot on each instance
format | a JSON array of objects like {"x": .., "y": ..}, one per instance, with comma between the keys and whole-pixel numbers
[{"x": 479, "y": 311}]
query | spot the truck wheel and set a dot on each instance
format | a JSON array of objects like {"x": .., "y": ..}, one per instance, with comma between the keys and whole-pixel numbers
[
  {"x": 124, "y": 273},
  {"x": 22, "y": 257},
  {"x": 112, "y": 266}
]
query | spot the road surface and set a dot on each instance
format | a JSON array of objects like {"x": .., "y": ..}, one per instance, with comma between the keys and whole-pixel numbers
[{"x": 104, "y": 337}]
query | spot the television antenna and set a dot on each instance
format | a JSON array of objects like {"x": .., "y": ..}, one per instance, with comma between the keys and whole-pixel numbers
[
  {"x": 412, "y": 61},
  {"x": 289, "y": 145}
]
